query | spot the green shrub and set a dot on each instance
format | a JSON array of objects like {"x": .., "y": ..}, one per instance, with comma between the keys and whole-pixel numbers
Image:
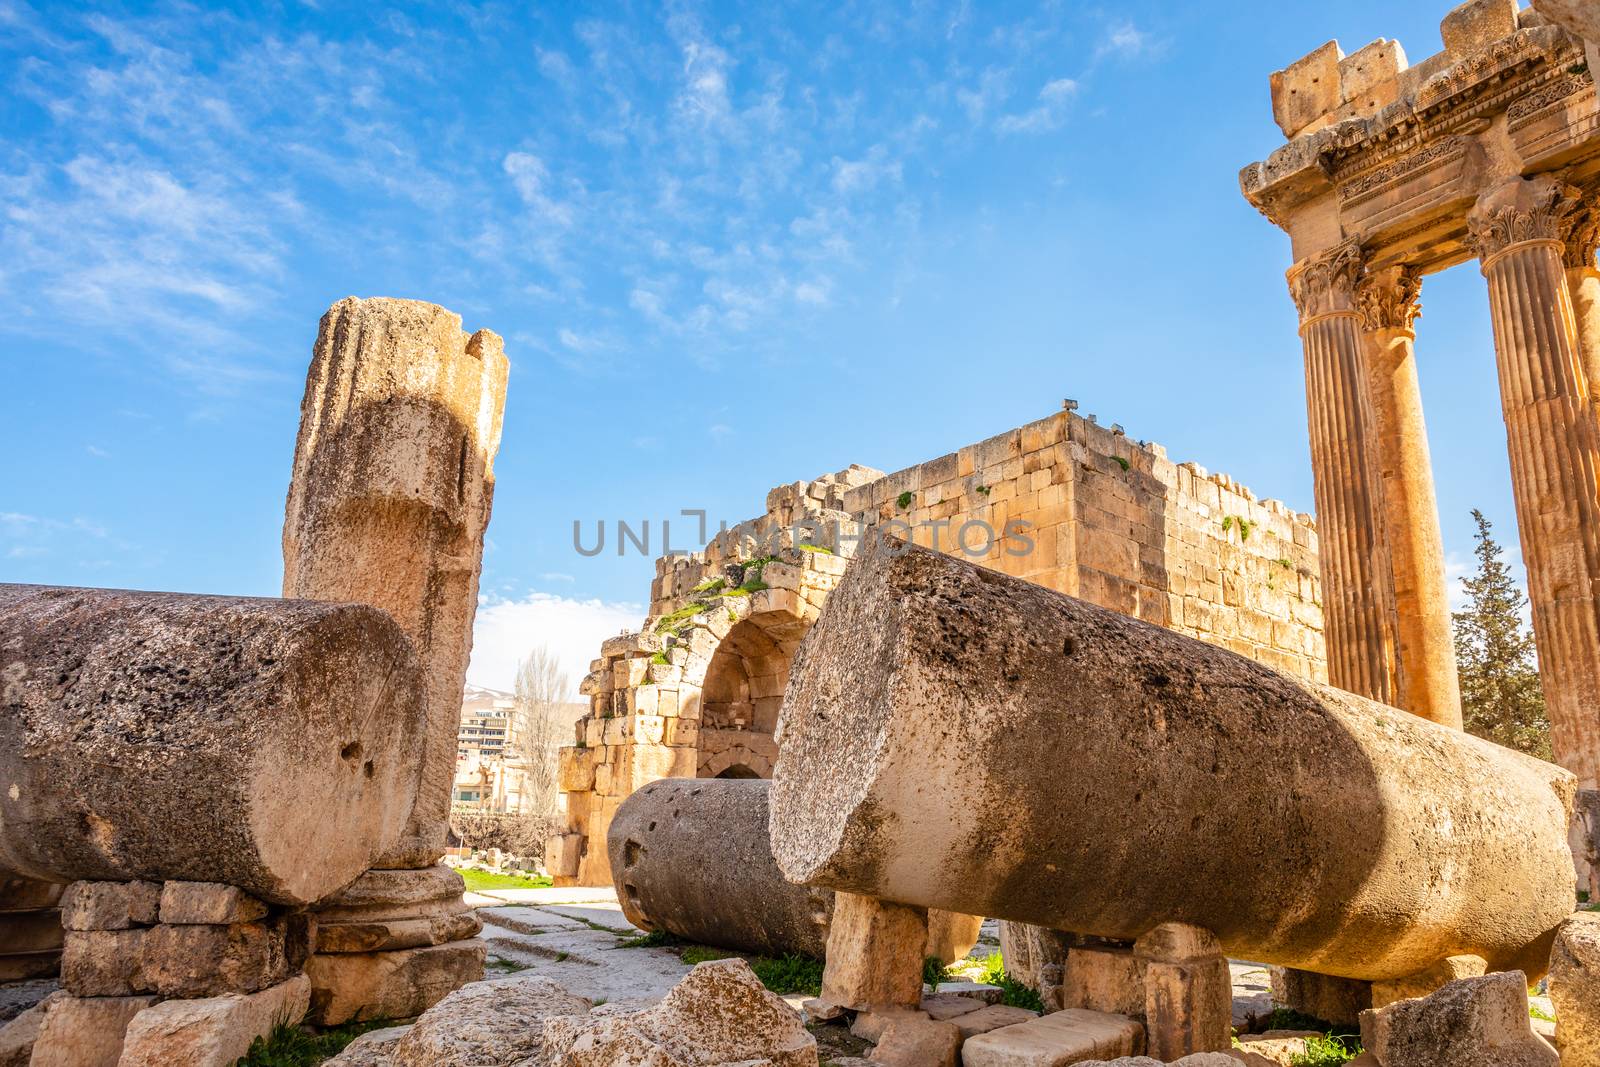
[
  {"x": 291, "y": 1046},
  {"x": 790, "y": 974},
  {"x": 904, "y": 500},
  {"x": 1122, "y": 462},
  {"x": 1013, "y": 992}
]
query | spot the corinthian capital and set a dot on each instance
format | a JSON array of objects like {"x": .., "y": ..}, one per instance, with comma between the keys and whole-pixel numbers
[
  {"x": 1389, "y": 299},
  {"x": 1581, "y": 229},
  {"x": 1521, "y": 210},
  {"x": 1326, "y": 283}
]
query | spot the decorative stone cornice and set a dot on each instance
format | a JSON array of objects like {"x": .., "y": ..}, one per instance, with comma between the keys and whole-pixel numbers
[
  {"x": 1581, "y": 229},
  {"x": 1325, "y": 284},
  {"x": 1389, "y": 299},
  {"x": 1520, "y": 211}
]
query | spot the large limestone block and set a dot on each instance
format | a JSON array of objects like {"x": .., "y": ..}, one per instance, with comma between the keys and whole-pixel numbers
[
  {"x": 390, "y": 496},
  {"x": 209, "y": 903},
  {"x": 1055, "y": 1040},
  {"x": 85, "y": 1031},
  {"x": 211, "y": 1031},
  {"x": 1477, "y": 24},
  {"x": 692, "y": 857},
  {"x": 720, "y": 1013},
  {"x": 262, "y": 743},
  {"x": 375, "y": 1048},
  {"x": 384, "y": 910},
  {"x": 1188, "y": 1005},
  {"x": 940, "y": 718},
  {"x": 1575, "y": 990},
  {"x": 875, "y": 954},
  {"x": 918, "y": 1043},
  {"x": 500, "y": 1021},
  {"x": 1476, "y": 1022},
  {"x": 1582, "y": 17},
  {"x": 110, "y": 905},
  {"x": 1307, "y": 89},
  {"x": 389, "y": 985},
  {"x": 213, "y": 960}
]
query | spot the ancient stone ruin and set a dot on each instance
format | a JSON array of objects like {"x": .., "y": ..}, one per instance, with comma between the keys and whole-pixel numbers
[{"x": 1155, "y": 728}]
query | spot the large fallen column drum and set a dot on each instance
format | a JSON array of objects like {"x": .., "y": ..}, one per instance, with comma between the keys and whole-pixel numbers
[
  {"x": 690, "y": 857},
  {"x": 955, "y": 738},
  {"x": 261, "y": 743}
]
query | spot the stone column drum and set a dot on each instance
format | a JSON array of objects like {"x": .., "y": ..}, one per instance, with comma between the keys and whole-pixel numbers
[
  {"x": 1555, "y": 451},
  {"x": 1426, "y": 683},
  {"x": 261, "y": 743},
  {"x": 691, "y": 857},
  {"x": 391, "y": 493},
  {"x": 1358, "y": 592},
  {"x": 958, "y": 739}
]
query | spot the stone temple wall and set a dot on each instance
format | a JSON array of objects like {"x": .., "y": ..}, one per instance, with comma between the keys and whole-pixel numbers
[{"x": 1064, "y": 502}]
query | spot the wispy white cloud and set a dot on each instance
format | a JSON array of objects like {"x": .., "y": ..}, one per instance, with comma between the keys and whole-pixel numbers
[
  {"x": 1047, "y": 114},
  {"x": 506, "y": 630}
]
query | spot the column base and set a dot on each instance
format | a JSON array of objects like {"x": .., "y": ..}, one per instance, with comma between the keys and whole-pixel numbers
[
  {"x": 30, "y": 928},
  {"x": 356, "y": 987}
]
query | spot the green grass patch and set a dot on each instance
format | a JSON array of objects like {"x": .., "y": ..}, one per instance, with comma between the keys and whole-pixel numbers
[
  {"x": 477, "y": 879},
  {"x": 693, "y": 954},
  {"x": 789, "y": 974},
  {"x": 1013, "y": 992},
  {"x": 1123, "y": 463},
  {"x": 933, "y": 972},
  {"x": 1289, "y": 1019},
  {"x": 904, "y": 500},
  {"x": 291, "y": 1046},
  {"x": 710, "y": 585},
  {"x": 504, "y": 966},
  {"x": 660, "y": 659},
  {"x": 1327, "y": 1051},
  {"x": 1536, "y": 1012},
  {"x": 654, "y": 939},
  {"x": 824, "y": 549}
]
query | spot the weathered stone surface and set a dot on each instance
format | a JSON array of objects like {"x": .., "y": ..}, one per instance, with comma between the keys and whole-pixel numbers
[
  {"x": 389, "y": 985},
  {"x": 390, "y": 495},
  {"x": 1103, "y": 978},
  {"x": 1476, "y": 24},
  {"x": 109, "y": 905},
  {"x": 208, "y": 903},
  {"x": 1198, "y": 1059},
  {"x": 1476, "y": 1022},
  {"x": 918, "y": 1043},
  {"x": 375, "y": 1048},
  {"x": 1024, "y": 681},
  {"x": 1427, "y": 981},
  {"x": 991, "y": 1017},
  {"x": 210, "y": 961},
  {"x": 212, "y": 1031},
  {"x": 17, "y": 1035},
  {"x": 389, "y": 934},
  {"x": 1575, "y": 990},
  {"x": 872, "y": 1025},
  {"x": 1278, "y": 1047},
  {"x": 1586, "y": 823},
  {"x": 1055, "y": 1040},
  {"x": 104, "y": 963},
  {"x": 28, "y": 932},
  {"x": 167, "y": 736},
  {"x": 380, "y": 895},
  {"x": 28, "y": 894},
  {"x": 691, "y": 856},
  {"x": 1339, "y": 1001},
  {"x": 1188, "y": 991},
  {"x": 718, "y": 1014},
  {"x": 85, "y": 1031},
  {"x": 495, "y": 1022},
  {"x": 946, "y": 1006},
  {"x": 874, "y": 957}
]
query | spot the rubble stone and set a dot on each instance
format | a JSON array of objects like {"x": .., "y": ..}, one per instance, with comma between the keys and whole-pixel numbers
[
  {"x": 918, "y": 1043},
  {"x": 17, "y": 1035},
  {"x": 85, "y": 1031},
  {"x": 109, "y": 905},
  {"x": 1055, "y": 1040},
  {"x": 214, "y": 960},
  {"x": 389, "y": 985},
  {"x": 245, "y": 702},
  {"x": 494, "y": 1022},
  {"x": 208, "y": 903},
  {"x": 1475, "y": 1022},
  {"x": 872, "y": 1025},
  {"x": 1575, "y": 990},
  {"x": 212, "y": 1031},
  {"x": 877, "y": 803},
  {"x": 375, "y": 1048}
]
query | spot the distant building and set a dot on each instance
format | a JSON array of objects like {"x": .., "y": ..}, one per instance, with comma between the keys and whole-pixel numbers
[{"x": 491, "y": 770}]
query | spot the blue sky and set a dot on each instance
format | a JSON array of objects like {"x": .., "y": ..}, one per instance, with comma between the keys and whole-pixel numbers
[{"x": 728, "y": 246}]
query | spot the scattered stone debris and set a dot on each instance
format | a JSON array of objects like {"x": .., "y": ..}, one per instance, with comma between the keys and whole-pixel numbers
[{"x": 1474, "y": 1022}]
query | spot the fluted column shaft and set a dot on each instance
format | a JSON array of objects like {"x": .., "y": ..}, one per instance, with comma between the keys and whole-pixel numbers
[
  {"x": 1425, "y": 656},
  {"x": 1357, "y": 591},
  {"x": 1553, "y": 441}
]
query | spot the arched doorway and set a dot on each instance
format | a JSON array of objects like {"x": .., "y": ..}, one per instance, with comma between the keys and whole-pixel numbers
[{"x": 742, "y": 694}]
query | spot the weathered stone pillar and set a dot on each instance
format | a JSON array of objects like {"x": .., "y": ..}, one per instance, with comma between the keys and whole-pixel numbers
[
  {"x": 1357, "y": 586},
  {"x": 1581, "y": 236},
  {"x": 1555, "y": 450},
  {"x": 1425, "y": 658},
  {"x": 393, "y": 481}
]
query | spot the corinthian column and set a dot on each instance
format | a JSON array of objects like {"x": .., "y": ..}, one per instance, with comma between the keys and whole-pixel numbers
[
  {"x": 1425, "y": 658},
  {"x": 1581, "y": 236},
  {"x": 1357, "y": 591},
  {"x": 1553, "y": 443}
]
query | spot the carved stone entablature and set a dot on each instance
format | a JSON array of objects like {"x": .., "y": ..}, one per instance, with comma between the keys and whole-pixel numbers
[
  {"x": 1521, "y": 210},
  {"x": 1389, "y": 299},
  {"x": 1570, "y": 84},
  {"x": 1326, "y": 283},
  {"x": 1581, "y": 229}
]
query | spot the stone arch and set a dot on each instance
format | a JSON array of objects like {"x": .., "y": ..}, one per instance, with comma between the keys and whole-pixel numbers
[{"x": 742, "y": 692}]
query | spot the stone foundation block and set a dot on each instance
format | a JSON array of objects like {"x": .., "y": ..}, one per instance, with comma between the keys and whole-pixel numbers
[
  {"x": 874, "y": 953},
  {"x": 947, "y": 1006},
  {"x": 1428, "y": 981},
  {"x": 103, "y": 963},
  {"x": 212, "y": 1031},
  {"x": 1575, "y": 990},
  {"x": 992, "y": 1017},
  {"x": 918, "y": 1043},
  {"x": 208, "y": 904},
  {"x": 389, "y": 985},
  {"x": 1106, "y": 978},
  {"x": 211, "y": 961},
  {"x": 872, "y": 1025},
  {"x": 1188, "y": 1000},
  {"x": 17, "y": 1035},
  {"x": 85, "y": 1031},
  {"x": 1476, "y": 1022},
  {"x": 109, "y": 905},
  {"x": 1056, "y": 1040}
]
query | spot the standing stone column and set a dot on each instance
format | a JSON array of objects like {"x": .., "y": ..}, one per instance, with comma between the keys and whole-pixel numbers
[
  {"x": 1425, "y": 659},
  {"x": 1581, "y": 237},
  {"x": 1555, "y": 450},
  {"x": 393, "y": 482},
  {"x": 1357, "y": 586}
]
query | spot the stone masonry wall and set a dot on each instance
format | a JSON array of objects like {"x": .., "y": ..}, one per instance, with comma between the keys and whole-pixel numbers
[{"x": 1063, "y": 502}]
